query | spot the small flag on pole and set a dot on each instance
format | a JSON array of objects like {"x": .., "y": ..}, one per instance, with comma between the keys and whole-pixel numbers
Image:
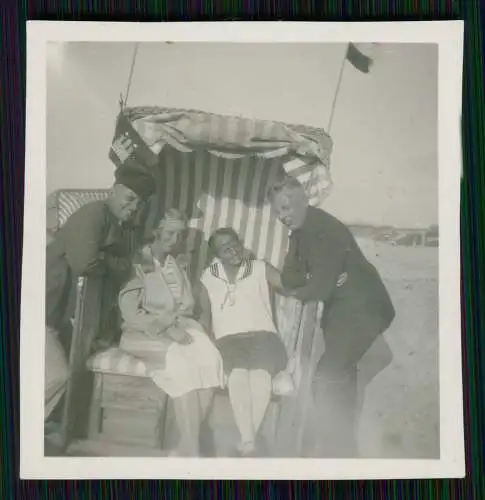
[{"x": 360, "y": 56}]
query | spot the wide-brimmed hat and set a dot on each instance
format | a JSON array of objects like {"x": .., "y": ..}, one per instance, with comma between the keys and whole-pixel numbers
[{"x": 141, "y": 183}]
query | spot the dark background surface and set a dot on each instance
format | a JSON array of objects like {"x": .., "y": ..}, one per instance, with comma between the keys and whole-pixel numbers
[{"x": 13, "y": 15}]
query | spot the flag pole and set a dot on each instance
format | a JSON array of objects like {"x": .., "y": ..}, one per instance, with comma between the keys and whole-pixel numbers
[
  {"x": 124, "y": 99},
  {"x": 337, "y": 90}
]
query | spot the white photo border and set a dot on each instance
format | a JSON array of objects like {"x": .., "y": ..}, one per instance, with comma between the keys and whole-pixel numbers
[{"x": 33, "y": 464}]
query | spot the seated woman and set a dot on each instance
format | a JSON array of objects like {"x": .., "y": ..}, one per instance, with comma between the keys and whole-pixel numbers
[
  {"x": 236, "y": 306},
  {"x": 158, "y": 328}
]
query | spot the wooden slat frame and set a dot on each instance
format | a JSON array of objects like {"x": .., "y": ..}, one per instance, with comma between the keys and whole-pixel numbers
[
  {"x": 295, "y": 407},
  {"x": 86, "y": 326}
]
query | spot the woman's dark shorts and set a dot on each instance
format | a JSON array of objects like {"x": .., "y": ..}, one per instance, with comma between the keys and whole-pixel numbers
[{"x": 252, "y": 351}]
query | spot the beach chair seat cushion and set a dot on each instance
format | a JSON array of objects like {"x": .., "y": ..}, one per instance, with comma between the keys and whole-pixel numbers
[{"x": 115, "y": 361}]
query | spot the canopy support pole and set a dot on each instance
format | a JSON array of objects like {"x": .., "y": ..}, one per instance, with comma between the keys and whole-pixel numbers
[
  {"x": 337, "y": 90},
  {"x": 124, "y": 100}
]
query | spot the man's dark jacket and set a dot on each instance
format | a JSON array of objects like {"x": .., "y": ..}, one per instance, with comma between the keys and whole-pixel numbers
[
  {"x": 356, "y": 313},
  {"x": 91, "y": 241}
]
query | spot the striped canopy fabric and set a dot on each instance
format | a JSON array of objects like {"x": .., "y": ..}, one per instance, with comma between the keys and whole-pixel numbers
[{"x": 217, "y": 169}]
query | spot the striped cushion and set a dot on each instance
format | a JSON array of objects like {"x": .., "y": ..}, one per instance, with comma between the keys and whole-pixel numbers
[{"x": 118, "y": 362}]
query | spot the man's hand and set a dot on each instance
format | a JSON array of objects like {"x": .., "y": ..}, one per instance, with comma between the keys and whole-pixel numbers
[
  {"x": 114, "y": 263},
  {"x": 296, "y": 292},
  {"x": 101, "y": 344}
]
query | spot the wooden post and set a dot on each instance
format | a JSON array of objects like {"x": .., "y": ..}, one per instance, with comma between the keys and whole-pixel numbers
[
  {"x": 88, "y": 298},
  {"x": 162, "y": 421},
  {"x": 95, "y": 409},
  {"x": 295, "y": 408}
]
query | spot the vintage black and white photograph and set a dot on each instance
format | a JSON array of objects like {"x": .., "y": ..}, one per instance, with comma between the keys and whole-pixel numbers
[{"x": 242, "y": 251}]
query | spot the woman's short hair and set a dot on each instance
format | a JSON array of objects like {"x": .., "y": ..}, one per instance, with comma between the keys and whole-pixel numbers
[
  {"x": 172, "y": 215},
  {"x": 222, "y": 231},
  {"x": 286, "y": 182}
]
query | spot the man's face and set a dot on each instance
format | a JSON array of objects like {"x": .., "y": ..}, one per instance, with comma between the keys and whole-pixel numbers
[
  {"x": 124, "y": 202},
  {"x": 291, "y": 206},
  {"x": 229, "y": 249}
]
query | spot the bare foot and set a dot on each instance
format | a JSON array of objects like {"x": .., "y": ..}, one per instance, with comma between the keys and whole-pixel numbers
[{"x": 246, "y": 448}]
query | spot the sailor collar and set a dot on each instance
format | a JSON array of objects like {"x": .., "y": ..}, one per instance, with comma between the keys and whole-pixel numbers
[{"x": 216, "y": 268}]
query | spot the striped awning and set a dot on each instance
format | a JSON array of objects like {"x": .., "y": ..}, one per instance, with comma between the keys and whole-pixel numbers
[
  {"x": 304, "y": 151},
  {"x": 218, "y": 168}
]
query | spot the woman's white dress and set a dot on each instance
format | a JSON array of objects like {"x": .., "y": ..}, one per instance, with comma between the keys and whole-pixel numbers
[{"x": 148, "y": 304}]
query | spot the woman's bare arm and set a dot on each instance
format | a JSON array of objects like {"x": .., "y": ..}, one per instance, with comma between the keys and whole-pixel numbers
[{"x": 273, "y": 277}]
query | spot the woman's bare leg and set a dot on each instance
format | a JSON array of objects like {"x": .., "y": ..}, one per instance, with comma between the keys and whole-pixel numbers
[
  {"x": 206, "y": 396},
  {"x": 260, "y": 384},
  {"x": 206, "y": 435},
  {"x": 187, "y": 413},
  {"x": 241, "y": 402}
]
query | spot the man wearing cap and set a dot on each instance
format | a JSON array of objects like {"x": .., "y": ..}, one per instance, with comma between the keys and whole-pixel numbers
[
  {"x": 93, "y": 240},
  {"x": 355, "y": 314}
]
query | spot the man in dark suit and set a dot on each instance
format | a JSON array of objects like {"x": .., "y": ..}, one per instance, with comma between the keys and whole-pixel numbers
[{"x": 355, "y": 314}]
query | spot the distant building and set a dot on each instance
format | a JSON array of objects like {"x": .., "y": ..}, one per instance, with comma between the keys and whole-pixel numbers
[{"x": 411, "y": 237}]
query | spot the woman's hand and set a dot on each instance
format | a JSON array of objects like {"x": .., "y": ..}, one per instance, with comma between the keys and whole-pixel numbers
[
  {"x": 153, "y": 331},
  {"x": 161, "y": 325},
  {"x": 179, "y": 335},
  {"x": 342, "y": 280},
  {"x": 163, "y": 322}
]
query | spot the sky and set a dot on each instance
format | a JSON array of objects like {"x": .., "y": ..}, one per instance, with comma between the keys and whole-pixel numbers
[{"x": 384, "y": 163}]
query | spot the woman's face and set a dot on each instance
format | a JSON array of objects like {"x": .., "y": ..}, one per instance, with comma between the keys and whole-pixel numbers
[
  {"x": 166, "y": 238},
  {"x": 229, "y": 250}
]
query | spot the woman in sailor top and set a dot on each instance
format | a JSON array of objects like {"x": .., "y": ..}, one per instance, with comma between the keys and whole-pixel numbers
[
  {"x": 236, "y": 307},
  {"x": 159, "y": 329}
]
